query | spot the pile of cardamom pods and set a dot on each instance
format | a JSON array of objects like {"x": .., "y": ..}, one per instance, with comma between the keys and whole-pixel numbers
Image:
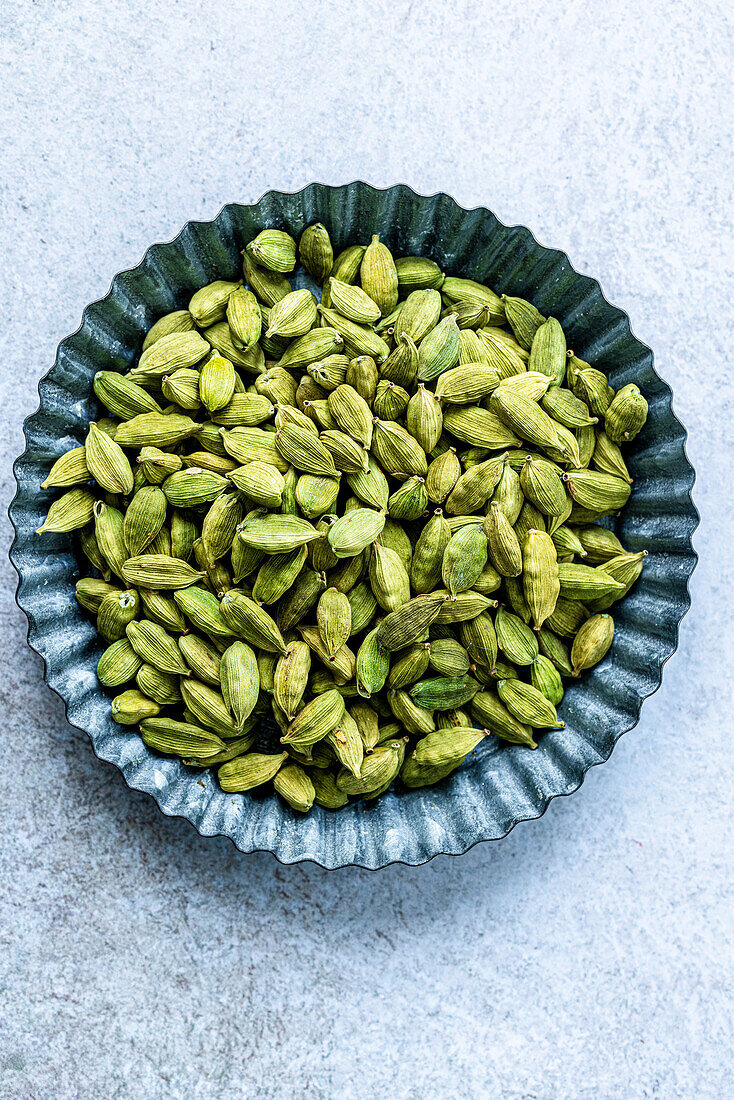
[{"x": 371, "y": 518}]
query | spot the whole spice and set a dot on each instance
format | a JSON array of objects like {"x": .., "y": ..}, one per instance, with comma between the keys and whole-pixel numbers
[{"x": 365, "y": 523}]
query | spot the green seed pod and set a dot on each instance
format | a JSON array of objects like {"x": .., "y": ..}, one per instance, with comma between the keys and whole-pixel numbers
[
  {"x": 334, "y": 618},
  {"x": 251, "y": 360},
  {"x": 109, "y": 532},
  {"x": 251, "y": 622},
  {"x": 168, "y": 354},
  {"x": 90, "y": 592},
  {"x": 207, "y": 707},
  {"x": 390, "y": 400},
  {"x": 504, "y": 547},
  {"x": 162, "y": 610},
  {"x": 516, "y": 598},
  {"x": 427, "y": 560},
  {"x": 157, "y": 465},
  {"x": 357, "y": 339},
  {"x": 345, "y": 740},
  {"x": 330, "y": 372},
  {"x": 418, "y": 273},
  {"x": 216, "y": 383},
  {"x": 598, "y": 492},
  {"x": 567, "y": 617},
  {"x": 347, "y": 263},
  {"x": 178, "y": 321},
  {"x": 548, "y": 351},
  {"x": 626, "y": 414},
  {"x": 201, "y": 608},
  {"x": 322, "y": 714},
  {"x": 447, "y": 746},
  {"x": 566, "y": 543},
  {"x": 274, "y": 250},
  {"x": 192, "y": 487},
  {"x": 599, "y": 544},
  {"x": 480, "y": 427},
  {"x": 530, "y": 519},
  {"x": 362, "y": 375},
  {"x": 516, "y": 640},
  {"x": 625, "y": 568},
  {"x": 91, "y": 550},
  {"x": 377, "y": 772},
  {"x": 316, "y": 495},
  {"x": 585, "y": 582},
  {"x": 348, "y": 572},
  {"x": 249, "y": 771},
  {"x": 132, "y": 707},
  {"x": 555, "y": 650},
  {"x": 545, "y": 678},
  {"x": 156, "y": 647},
  {"x": 326, "y": 792},
  {"x": 315, "y": 251},
  {"x": 161, "y": 687},
  {"x": 122, "y": 396},
  {"x": 479, "y": 637},
  {"x": 607, "y": 457},
  {"x": 70, "y": 512},
  {"x": 276, "y": 534},
  {"x": 295, "y": 787},
  {"x": 464, "y": 559},
  {"x": 419, "y": 314},
  {"x": 379, "y": 277},
  {"x": 530, "y": 384},
  {"x": 489, "y": 711},
  {"x": 424, "y": 418},
  {"x": 355, "y": 531},
  {"x": 502, "y": 355},
  {"x": 542, "y": 486},
  {"x": 299, "y": 600},
  {"x": 290, "y": 678},
  {"x": 414, "y": 718},
  {"x": 277, "y": 574},
  {"x": 460, "y": 608},
  {"x": 410, "y": 500},
  {"x": 373, "y": 664},
  {"x": 508, "y": 494},
  {"x": 442, "y": 476},
  {"x": 590, "y": 385},
  {"x": 353, "y": 303},
  {"x": 118, "y": 664},
  {"x": 240, "y": 680},
  {"x": 209, "y": 304},
  {"x": 524, "y": 319},
  {"x": 592, "y": 643},
  {"x": 410, "y": 666},
  {"x": 449, "y": 658},
  {"x": 540, "y": 575},
  {"x": 444, "y": 692},
  {"x": 143, "y": 519},
  {"x": 528, "y": 705},
  {"x": 182, "y": 389},
  {"x": 439, "y": 350},
  {"x": 202, "y": 658},
  {"x": 401, "y": 365},
  {"x": 586, "y": 441}
]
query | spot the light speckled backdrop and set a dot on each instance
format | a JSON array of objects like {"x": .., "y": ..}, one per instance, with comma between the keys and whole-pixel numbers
[{"x": 589, "y": 953}]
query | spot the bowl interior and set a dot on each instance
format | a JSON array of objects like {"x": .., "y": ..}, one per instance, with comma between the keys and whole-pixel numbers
[{"x": 498, "y": 785}]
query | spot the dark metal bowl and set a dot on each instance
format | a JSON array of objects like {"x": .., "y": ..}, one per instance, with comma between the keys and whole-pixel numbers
[{"x": 498, "y": 785}]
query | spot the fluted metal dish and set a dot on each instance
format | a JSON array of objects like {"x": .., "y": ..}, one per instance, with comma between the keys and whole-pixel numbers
[{"x": 499, "y": 785}]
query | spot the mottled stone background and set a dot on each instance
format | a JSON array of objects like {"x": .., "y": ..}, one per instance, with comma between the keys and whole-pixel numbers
[{"x": 589, "y": 953}]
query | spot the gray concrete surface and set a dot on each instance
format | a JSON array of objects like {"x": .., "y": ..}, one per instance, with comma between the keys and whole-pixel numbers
[{"x": 587, "y": 955}]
